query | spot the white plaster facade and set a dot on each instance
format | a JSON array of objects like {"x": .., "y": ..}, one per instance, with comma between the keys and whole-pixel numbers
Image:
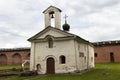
[{"x": 78, "y": 53}]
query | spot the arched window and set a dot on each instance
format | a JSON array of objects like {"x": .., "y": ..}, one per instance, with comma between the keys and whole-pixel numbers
[
  {"x": 50, "y": 43},
  {"x": 38, "y": 66},
  {"x": 96, "y": 54},
  {"x": 62, "y": 60}
]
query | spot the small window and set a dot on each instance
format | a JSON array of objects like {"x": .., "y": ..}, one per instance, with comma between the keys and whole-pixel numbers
[
  {"x": 85, "y": 59},
  {"x": 96, "y": 54},
  {"x": 50, "y": 43},
  {"x": 81, "y": 54},
  {"x": 62, "y": 59}
]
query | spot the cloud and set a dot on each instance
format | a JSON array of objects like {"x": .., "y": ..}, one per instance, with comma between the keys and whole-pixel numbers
[
  {"x": 94, "y": 20},
  {"x": 99, "y": 23}
]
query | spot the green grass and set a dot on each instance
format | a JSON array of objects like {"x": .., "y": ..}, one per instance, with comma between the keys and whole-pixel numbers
[
  {"x": 9, "y": 67},
  {"x": 3, "y": 67},
  {"x": 108, "y": 71}
]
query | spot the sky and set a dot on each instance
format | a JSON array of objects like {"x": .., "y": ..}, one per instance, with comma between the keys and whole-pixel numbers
[{"x": 93, "y": 20}]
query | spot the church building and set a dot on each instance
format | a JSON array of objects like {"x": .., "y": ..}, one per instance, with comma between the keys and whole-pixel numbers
[{"x": 55, "y": 50}]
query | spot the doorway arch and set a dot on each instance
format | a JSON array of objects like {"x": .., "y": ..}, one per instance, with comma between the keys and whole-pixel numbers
[{"x": 50, "y": 66}]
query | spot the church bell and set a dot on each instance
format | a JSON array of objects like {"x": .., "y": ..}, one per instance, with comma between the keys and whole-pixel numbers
[{"x": 52, "y": 16}]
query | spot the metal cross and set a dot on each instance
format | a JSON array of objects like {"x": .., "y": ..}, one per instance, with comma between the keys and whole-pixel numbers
[{"x": 65, "y": 17}]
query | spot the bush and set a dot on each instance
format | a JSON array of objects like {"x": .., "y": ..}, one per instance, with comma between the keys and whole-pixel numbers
[{"x": 29, "y": 73}]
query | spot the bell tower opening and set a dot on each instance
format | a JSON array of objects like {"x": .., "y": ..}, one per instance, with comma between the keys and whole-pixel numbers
[{"x": 52, "y": 17}]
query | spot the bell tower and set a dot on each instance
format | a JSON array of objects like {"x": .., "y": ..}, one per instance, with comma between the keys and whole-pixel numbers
[{"x": 53, "y": 13}]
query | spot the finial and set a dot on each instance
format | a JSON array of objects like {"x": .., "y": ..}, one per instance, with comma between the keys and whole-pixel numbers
[
  {"x": 66, "y": 26},
  {"x": 65, "y": 19}
]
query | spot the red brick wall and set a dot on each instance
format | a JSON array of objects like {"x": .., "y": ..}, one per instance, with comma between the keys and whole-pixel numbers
[
  {"x": 3, "y": 59},
  {"x": 103, "y": 53},
  {"x": 24, "y": 55}
]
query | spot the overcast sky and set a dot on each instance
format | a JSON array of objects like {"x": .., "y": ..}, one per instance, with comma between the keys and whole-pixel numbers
[{"x": 93, "y": 20}]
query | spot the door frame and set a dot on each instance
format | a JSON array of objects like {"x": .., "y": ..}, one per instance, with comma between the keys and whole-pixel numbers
[{"x": 50, "y": 65}]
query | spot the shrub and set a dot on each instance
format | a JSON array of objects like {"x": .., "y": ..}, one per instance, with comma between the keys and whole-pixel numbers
[{"x": 28, "y": 73}]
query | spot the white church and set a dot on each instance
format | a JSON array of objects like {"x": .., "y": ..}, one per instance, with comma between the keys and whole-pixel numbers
[{"x": 55, "y": 50}]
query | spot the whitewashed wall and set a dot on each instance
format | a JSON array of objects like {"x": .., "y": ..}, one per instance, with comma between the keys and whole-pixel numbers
[
  {"x": 42, "y": 52},
  {"x": 70, "y": 49}
]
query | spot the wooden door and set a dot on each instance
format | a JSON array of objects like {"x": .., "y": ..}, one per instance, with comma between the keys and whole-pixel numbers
[
  {"x": 50, "y": 66},
  {"x": 112, "y": 57}
]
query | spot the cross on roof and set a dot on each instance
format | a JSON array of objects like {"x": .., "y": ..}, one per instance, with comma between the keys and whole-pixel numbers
[{"x": 66, "y": 18}]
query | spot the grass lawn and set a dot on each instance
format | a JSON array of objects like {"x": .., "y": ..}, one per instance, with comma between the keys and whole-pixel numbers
[
  {"x": 108, "y": 71},
  {"x": 2, "y": 67}
]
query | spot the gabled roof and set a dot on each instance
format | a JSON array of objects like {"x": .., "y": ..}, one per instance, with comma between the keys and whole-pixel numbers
[
  {"x": 58, "y": 30},
  {"x": 53, "y": 7},
  {"x": 47, "y": 29}
]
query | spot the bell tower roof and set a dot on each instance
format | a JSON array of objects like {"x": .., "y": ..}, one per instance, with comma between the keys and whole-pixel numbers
[{"x": 52, "y": 8}]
